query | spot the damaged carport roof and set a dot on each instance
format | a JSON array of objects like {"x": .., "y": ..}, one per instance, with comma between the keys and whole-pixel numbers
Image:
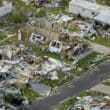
[
  {"x": 42, "y": 89},
  {"x": 103, "y": 17}
]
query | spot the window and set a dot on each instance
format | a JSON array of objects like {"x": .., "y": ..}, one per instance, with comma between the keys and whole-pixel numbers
[
  {"x": 53, "y": 44},
  {"x": 93, "y": 13},
  {"x": 83, "y": 9},
  {"x": 58, "y": 45}
]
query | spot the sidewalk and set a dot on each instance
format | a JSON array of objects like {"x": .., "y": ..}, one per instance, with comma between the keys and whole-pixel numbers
[
  {"x": 101, "y": 88},
  {"x": 100, "y": 48}
]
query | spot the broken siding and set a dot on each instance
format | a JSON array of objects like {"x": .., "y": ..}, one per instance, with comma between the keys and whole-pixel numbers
[
  {"x": 48, "y": 34},
  {"x": 26, "y": 32}
]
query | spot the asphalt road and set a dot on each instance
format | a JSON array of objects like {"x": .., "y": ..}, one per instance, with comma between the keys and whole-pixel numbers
[{"x": 86, "y": 81}]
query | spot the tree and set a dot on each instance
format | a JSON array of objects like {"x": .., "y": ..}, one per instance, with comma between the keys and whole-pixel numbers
[
  {"x": 18, "y": 15},
  {"x": 16, "y": 18},
  {"x": 64, "y": 2}
]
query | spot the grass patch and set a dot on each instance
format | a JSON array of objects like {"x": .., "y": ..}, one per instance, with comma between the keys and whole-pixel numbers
[
  {"x": 26, "y": 91},
  {"x": 63, "y": 78},
  {"x": 62, "y": 75},
  {"x": 102, "y": 41},
  {"x": 2, "y": 36},
  {"x": 85, "y": 63},
  {"x": 107, "y": 82},
  {"x": 104, "y": 2},
  {"x": 11, "y": 40},
  {"x": 58, "y": 10},
  {"x": 29, "y": 93},
  {"x": 50, "y": 82}
]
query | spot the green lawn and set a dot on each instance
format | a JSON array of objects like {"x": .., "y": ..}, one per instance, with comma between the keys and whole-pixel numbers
[
  {"x": 11, "y": 40},
  {"x": 29, "y": 93},
  {"x": 107, "y": 82},
  {"x": 55, "y": 10},
  {"x": 104, "y": 2},
  {"x": 62, "y": 75},
  {"x": 59, "y": 82},
  {"x": 50, "y": 82},
  {"x": 84, "y": 63},
  {"x": 102, "y": 41},
  {"x": 2, "y": 36},
  {"x": 90, "y": 59},
  {"x": 26, "y": 91}
]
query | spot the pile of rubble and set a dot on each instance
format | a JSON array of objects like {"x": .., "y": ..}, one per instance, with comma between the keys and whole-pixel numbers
[
  {"x": 19, "y": 65},
  {"x": 63, "y": 46},
  {"x": 91, "y": 103},
  {"x": 68, "y": 48}
]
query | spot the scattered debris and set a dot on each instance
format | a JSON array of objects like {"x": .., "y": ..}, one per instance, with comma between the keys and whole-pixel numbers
[{"x": 90, "y": 103}]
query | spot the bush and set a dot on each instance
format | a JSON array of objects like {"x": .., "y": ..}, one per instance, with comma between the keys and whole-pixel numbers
[{"x": 41, "y": 13}]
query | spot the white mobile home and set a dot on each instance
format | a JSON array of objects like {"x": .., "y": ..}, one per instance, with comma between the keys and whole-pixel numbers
[
  {"x": 103, "y": 17},
  {"x": 84, "y": 8}
]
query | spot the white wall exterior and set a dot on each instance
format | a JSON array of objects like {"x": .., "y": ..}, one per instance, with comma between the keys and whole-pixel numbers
[
  {"x": 83, "y": 12},
  {"x": 90, "y": 10}
]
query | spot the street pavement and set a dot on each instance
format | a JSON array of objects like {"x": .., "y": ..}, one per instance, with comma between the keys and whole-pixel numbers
[{"x": 85, "y": 82}]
